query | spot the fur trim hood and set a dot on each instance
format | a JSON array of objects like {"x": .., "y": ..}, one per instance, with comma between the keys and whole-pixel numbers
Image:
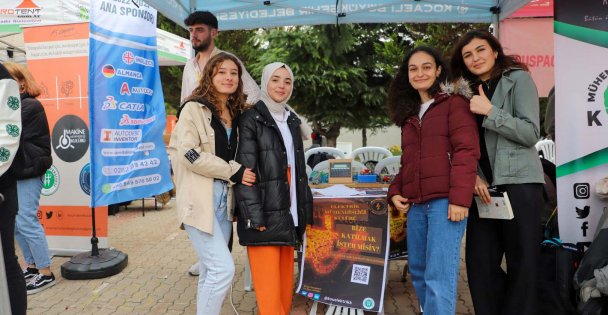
[{"x": 460, "y": 86}]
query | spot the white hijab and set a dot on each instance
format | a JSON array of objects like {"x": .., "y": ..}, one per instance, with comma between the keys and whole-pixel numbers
[{"x": 280, "y": 107}]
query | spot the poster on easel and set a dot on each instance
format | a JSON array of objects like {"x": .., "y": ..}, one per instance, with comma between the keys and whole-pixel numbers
[{"x": 345, "y": 256}]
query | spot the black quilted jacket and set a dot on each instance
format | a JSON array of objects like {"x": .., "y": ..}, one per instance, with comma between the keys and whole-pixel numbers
[
  {"x": 267, "y": 202},
  {"x": 34, "y": 155}
]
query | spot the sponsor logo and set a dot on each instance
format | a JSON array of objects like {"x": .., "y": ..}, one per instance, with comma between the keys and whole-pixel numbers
[
  {"x": 581, "y": 190},
  {"x": 128, "y": 57},
  {"x": 582, "y": 213},
  {"x": 85, "y": 179},
  {"x": 378, "y": 206},
  {"x": 304, "y": 293},
  {"x": 317, "y": 296},
  {"x": 595, "y": 92},
  {"x": 368, "y": 303},
  {"x": 584, "y": 228},
  {"x": 124, "y": 89},
  {"x": 142, "y": 90},
  {"x": 131, "y": 107},
  {"x": 120, "y": 135},
  {"x": 25, "y": 13},
  {"x": 70, "y": 138},
  {"x": 109, "y": 103},
  {"x": 50, "y": 182},
  {"x": 129, "y": 74},
  {"x": 126, "y": 120},
  {"x": 108, "y": 71},
  {"x": 144, "y": 61}
]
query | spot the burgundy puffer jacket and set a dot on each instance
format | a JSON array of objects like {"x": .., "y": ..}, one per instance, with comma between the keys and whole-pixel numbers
[{"x": 440, "y": 154}]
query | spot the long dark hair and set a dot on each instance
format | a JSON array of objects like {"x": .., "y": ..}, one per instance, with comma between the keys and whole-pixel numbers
[
  {"x": 503, "y": 62},
  {"x": 206, "y": 90},
  {"x": 403, "y": 100}
]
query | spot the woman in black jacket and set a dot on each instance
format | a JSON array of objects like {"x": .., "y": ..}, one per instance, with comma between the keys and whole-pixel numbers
[
  {"x": 32, "y": 161},
  {"x": 273, "y": 213}
]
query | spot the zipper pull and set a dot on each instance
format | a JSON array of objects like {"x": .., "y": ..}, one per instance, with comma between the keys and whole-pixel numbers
[{"x": 450, "y": 158}]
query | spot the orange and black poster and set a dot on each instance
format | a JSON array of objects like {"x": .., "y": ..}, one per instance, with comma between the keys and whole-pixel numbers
[
  {"x": 346, "y": 252},
  {"x": 57, "y": 57}
]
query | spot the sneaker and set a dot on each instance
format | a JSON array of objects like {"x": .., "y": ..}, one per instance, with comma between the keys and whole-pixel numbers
[
  {"x": 194, "y": 270},
  {"x": 40, "y": 283},
  {"x": 29, "y": 273}
]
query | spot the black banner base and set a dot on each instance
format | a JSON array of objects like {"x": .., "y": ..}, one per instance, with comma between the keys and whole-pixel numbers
[{"x": 85, "y": 266}]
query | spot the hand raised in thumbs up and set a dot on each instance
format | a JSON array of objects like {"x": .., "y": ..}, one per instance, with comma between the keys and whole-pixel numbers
[{"x": 480, "y": 104}]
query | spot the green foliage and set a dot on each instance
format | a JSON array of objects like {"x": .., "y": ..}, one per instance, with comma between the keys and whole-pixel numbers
[
  {"x": 441, "y": 36},
  {"x": 240, "y": 43},
  {"x": 341, "y": 73},
  {"x": 337, "y": 80},
  {"x": 171, "y": 76}
]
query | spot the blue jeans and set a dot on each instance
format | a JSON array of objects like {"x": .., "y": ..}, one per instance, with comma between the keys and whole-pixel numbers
[
  {"x": 216, "y": 264},
  {"x": 28, "y": 230},
  {"x": 433, "y": 243}
]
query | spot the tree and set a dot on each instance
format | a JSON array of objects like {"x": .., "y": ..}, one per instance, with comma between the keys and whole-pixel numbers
[
  {"x": 343, "y": 73},
  {"x": 336, "y": 84},
  {"x": 171, "y": 76}
]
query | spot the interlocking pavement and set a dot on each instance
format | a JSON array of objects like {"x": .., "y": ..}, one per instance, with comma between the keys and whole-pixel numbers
[{"x": 156, "y": 280}]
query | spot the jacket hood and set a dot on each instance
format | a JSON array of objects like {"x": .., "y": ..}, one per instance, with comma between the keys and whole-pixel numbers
[{"x": 460, "y": 86}]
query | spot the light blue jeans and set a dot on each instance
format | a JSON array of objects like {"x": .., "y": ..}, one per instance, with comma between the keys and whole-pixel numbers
[
  {"x": 433, "y": 243},
  {"x": 28, "y": 230},
  {"x": 216, "y": 264}
]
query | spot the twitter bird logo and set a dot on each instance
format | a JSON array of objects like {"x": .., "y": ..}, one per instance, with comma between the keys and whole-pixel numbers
[
  {"x": 582, "y": 213},
  {"x": 49, "y": 214}
]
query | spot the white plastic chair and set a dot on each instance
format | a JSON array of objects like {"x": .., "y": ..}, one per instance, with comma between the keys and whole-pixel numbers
[
  {"x": 546, "y": 149},
  {"x": 336, "y": 153},
  {"x": 391, "y": 164},
  {"x": 324, "y": 166},
  {"x": 370, "y": 156}
]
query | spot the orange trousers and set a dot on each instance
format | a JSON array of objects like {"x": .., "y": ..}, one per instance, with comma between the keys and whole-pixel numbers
[{"x": 272, "y": 274}]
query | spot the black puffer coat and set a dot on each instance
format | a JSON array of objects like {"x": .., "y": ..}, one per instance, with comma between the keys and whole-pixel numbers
[
  {"x": 34, "y": 155},
  {"x": 267, "y": 203}
]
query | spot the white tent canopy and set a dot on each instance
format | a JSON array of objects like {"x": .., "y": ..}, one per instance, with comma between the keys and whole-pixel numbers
[
  {"x": 16, "y": 14},
  {"x": 249, "y": 14}
]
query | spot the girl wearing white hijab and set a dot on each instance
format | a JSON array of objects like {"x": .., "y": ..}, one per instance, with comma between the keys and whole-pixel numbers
[{"x": 274, "y": 212}]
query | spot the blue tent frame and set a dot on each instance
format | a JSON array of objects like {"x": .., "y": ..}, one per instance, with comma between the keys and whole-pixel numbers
[{"x": 251, "y": 14}]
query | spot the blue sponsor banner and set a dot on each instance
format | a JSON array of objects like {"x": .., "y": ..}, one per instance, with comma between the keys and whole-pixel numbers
[{"x": 127, "y": 110}]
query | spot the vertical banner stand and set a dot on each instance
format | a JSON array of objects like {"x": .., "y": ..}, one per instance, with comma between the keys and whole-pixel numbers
[{"x": 96, "y": 263}]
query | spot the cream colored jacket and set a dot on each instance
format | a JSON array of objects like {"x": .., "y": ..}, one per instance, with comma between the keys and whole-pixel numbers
[{"x": 194, "y": 175}]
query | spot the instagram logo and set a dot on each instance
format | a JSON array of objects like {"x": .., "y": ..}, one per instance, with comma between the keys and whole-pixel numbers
[{"x": 581, "y": 190}]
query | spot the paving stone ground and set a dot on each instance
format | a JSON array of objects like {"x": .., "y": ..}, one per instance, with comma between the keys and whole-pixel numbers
[{"x": 156, "y": 280}]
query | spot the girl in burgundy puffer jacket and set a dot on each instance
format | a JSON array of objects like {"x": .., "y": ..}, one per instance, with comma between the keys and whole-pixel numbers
[{"x": 437, "y": 176}]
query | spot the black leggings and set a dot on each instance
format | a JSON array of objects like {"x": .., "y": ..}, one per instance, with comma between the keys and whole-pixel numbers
[
  {"x": 14, "y": 276},
  {"x": 493, "y": 291}
]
